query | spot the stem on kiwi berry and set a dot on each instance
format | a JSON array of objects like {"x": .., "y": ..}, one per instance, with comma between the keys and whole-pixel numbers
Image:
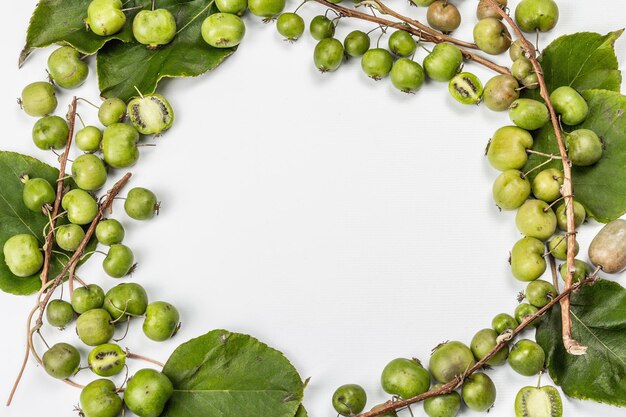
[
  {"x": 57, "y": 201},
  {"x": 572, "y": 346},
  {"x": 425, "y": 36},
  {"x": 503, "y": 340},
  {"x": 143, "y": 358},
  {"x": 70, "y": 280},
  {"x": 547, "y": 155}
]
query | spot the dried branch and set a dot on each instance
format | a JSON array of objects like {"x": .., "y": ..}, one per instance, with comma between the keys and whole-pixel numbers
[
  {"x": 78, "y": 254},
  {"x": 572, "y": 346},
  {"x": 59, "y": 195}
]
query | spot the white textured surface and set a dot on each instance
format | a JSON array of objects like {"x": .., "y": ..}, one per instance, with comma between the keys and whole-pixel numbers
[{"x": 336, "y": 219}]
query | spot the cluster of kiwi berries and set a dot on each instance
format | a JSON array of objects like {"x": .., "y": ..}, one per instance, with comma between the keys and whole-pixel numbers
[
  {"x": 98, "y": 313},
  {"x": 95, "y": 311},
  {"x": 406, "y": 378},
  {"x": 443, "y": 63},
  {"x": 157, "y": 27},
  {"x": 118, "y": 143},
  {"x": 537, "y": 218}
]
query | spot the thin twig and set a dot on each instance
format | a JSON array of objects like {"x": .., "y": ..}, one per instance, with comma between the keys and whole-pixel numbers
[
  {"x": 143, "y": 358},
  {"x": 104, "y": 206},
  {"x": 347, "y": 12},
  {"x": 572, "y": 346},
  {"x": 503, "y": 340},
  {"x": 26, "y": 356},
  {"x": 72, "y": 276},
  {"x": 57, "y": 201}
]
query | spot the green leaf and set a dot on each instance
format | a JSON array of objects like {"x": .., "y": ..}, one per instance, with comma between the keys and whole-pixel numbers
[
  {"x": 63, "y": 22},
  {"x": 15, "y": 218},
  {"x": 125, "y": 67},
  {"x": 302, "y": 412},
  {"x": 599, "y": 322},
  {"x": 583, "y": 61},
  {"x": 230, "y": 374},
  {"x": 601, "y": 188}
]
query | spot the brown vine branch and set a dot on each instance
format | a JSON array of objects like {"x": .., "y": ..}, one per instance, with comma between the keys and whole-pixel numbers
[
  {"x": 503, "y": 340},
  {"x": 104, "y": 206},
  {"x": 26, "y": 356},
  {"x": 57, "y": 201},
  {"x": 70, "y": 280},
  {"x": 572, "y": 346},
  {"x": 381, "y": 7},
  {"x": 347, "y": 12},
  {"x": 49, "y": 287}
]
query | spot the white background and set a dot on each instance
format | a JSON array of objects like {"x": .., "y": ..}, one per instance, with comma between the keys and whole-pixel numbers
[{"x": 331, "y": 216}]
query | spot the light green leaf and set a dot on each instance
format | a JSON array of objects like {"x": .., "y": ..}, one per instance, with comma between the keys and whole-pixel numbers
[
  {"x": 302, "y": 412},
  {"x": 230, "y": 374},
  {"x": 125, "y": 67},
  {"x": 601, "y": 188},
  {"x": 599, "y": 322},
  {"x": 15, "y": 218},
  {"x": 583, "y": 61},
  {"x": 63, "y": 22}
]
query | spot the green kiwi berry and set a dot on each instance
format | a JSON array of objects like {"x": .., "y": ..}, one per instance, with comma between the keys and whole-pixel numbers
[
  {"x": 22, "y": 255},
  {"x": 69, "y": 237},
  {"x": 223, "y": 30},
  {"x": 50, "y": 132},
  {"x": 161, "y": 322},
  {"x": 107, "y": 360},
  {"x": 89, "y": 172},
  {"x": 61, "y": 361},
  {"x": 152, "y": 114},
  {"x": 38, "y": 99},
  {"x": 95, "y": 327},
  {"x": 37, "y": 194},
  {"x": 88, "y": 139},
  {"x": 87, "y": 298},
  {"x": 154, "y": 28},
  {"x": 112, "y": 110},
  {"x": 119, "y": 261},
  {"x": 466, "y": 88},
  {"x": 126, "y": 300},
  {"x": 147, "y": 392},
  {"x": 66, "y": 67},
  {"x": 141, "y": 204},
  {"x": 59, "y": 313},
  {"x": 110, "y": 232}
]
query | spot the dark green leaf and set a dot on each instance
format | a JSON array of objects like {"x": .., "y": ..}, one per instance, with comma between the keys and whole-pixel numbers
[
  {"x": 601, "y": 188},
  {"x": 583, "y": 61},
  {"x": 302, "y": 412},
  {"x": 229, "y": 374},
  {"x": 125, "y": 67},
  {"x": 599, "y": 322},
  {"x": 15, "y": 218},
  {"x": 63, "y": 22}
]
